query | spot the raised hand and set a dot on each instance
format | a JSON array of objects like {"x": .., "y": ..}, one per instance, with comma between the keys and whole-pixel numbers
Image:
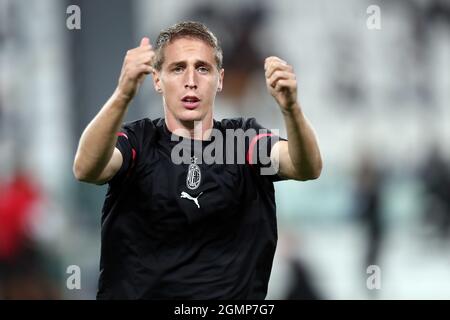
[
  {"x": 136, "y": 65},
  {"x": 281, "y": 82}
]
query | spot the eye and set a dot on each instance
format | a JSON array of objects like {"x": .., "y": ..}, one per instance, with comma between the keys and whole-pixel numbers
[
  {"x": 178, "y": 69},
  {"x": 203, "y": 69}
]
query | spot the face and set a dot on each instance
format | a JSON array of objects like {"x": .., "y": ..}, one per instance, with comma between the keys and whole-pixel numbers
[{"x": 189, "y": 80}]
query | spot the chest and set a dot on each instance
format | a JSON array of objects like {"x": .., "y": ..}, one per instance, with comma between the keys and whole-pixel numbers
[{"x": 166, "y": 191}]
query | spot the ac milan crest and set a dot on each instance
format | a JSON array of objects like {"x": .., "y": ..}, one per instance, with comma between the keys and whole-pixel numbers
[{"x": 194, "y": 175}]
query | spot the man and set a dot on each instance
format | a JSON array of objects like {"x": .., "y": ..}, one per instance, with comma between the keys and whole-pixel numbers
[{"x": 189, "y": 230}]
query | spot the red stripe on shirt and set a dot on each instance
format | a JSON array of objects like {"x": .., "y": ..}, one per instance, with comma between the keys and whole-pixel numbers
[
  {"x": 133, "y": 152},
  {"x": 252, "y": 145},
  {"x": 122, "y": 134}
]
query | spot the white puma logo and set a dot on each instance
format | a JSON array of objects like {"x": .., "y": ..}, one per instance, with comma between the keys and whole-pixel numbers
[{"x": 189, "y": 197}]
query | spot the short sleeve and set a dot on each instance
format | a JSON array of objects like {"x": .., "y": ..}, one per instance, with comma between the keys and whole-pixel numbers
[
  {"x": 259, "y": 147},
  {"x": 128, "y": 147}
]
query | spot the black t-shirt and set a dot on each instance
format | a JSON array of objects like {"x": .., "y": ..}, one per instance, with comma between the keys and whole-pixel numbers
[{"x": 195, "y": 230}]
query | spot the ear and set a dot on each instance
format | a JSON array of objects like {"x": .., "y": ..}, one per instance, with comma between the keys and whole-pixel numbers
[
  {"x": 221, "y": 74},
  {"x": 157, "y": 81}
]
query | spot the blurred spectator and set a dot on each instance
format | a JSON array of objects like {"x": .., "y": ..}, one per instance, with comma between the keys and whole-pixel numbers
[
  {"x": 435, "y": 177},
  {"x": 300, "y": 285},
  {"x": 368, "y": 200},
  {"x": 17, "y": 198},
  {"x": 22, "y": 265}
]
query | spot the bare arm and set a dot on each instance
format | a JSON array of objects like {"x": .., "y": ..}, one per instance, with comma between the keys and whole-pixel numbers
[
  {"x": 299, "y": 158},
  {"x": 97, "y": 160}
]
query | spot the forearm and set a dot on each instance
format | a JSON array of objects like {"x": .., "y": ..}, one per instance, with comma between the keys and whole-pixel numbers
[
  {"x": 302, "y": 143},
  {"x": 98, "y": 140}
]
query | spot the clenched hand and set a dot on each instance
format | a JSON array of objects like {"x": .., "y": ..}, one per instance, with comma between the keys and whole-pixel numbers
[
  {"x": 136, "y": 65},
  {"x": 281, "y": 82}
]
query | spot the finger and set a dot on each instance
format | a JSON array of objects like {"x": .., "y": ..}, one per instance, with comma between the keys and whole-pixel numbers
[
  {"x": 145, "y": 42},
  {"x": 140, "y": 71},
  {"x": 140, "y": 50},
  {"x": 145, "y": 57},
  {"x": 285, "y": 84},
  {"x": 147, "y": 69},
  {"x": 278, "y": 66},
  {"x": 139, "y": 55},
  {"x": 272, "y": 59},
  {"x": 278, "y": 75},
  {"x": 144, "y": 68}
]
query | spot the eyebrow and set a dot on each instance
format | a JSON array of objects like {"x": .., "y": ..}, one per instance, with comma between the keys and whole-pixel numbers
[{"x": 183, "y": 64}]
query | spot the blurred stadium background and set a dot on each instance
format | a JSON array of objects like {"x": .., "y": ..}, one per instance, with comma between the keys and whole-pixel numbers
[{"x": 378, "y": 99}]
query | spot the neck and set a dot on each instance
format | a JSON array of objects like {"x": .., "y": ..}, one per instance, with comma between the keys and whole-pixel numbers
[{"x": 197, "y": 130}]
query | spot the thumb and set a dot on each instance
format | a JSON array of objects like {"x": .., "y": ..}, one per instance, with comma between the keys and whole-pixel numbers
[{"x": 145, "y": 41}]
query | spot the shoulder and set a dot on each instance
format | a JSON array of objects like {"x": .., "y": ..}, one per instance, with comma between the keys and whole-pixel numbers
[
  {"x": 141, "y": 124},
  {"x": 239, "y": 123},
  {"x": 138, "y": 132},
  {"x": 141, "y": 127}
]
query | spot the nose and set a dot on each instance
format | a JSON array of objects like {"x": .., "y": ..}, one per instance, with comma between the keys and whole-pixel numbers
[{"x": 191, "y": 82}]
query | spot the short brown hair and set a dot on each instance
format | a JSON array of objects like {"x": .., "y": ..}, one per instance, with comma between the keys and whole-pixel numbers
[{"x": 186, "y": 29}]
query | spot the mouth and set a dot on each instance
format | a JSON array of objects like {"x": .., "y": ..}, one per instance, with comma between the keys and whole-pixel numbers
[{"x": 190, "y": 102}]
